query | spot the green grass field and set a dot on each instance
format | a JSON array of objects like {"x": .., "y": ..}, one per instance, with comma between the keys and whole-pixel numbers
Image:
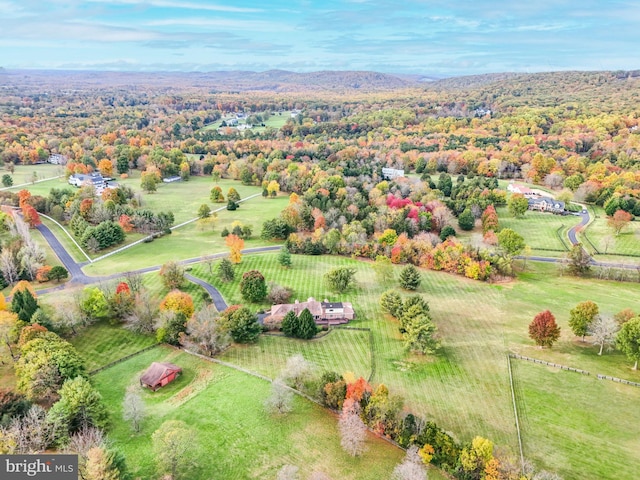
[
  {"x": 193, "y": 240},
  {"x": 566, "y": 418},
  {"x": 233, "y": 437},
  {"x": 539, "y": 229},
  {"x": 102, "y": 344},
  {"x": 25, "y": 174},
  {"x": 604, "y": 240},
  {"x": 465, "y": 388},
  {"x": 275, "y": 121}
]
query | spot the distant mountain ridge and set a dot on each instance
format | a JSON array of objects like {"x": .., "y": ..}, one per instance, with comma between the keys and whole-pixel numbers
[{"x": 225, "y": 81}]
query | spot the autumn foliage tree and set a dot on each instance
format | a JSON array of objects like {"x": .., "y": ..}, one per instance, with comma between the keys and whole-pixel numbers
[
  {"x": 544, "y": 330},
  {"x": 172, "y": 275},
  {"x": 489, "y": 219},
  {"x": 619, "y": 221},
  {"x": 178, "y": 302},
  {"x": 235, "y": 244},
  {"x": 581, "y": 317}
]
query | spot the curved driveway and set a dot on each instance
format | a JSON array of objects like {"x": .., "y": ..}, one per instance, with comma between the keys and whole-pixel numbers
[
  {"x": 573, "y": 238},
  {"x": 78, "y": 276}
]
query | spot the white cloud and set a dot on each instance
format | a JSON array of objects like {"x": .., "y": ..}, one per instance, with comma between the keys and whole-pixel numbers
[{"x": 181, "y": 5}]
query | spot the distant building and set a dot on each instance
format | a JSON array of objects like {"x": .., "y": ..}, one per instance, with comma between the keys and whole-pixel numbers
[
  {"x": 57, "y": 159},
  {"x": 327, "y": 313},
  {"x": 96, "y": 179},
  {"x": 546, "y": 204},
  {"x": 391, "y": 173},
  {"x": 521, "y": 189}
]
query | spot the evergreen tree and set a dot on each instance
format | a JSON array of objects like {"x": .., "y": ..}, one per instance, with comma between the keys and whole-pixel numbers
[
  {"x": 253, "y": 286},
  {"x": 410, "y": 278},
  {"x": 24, "y": 305},
  {"x": 307, "y": 327},
  {"x": 225, "y": 270},
  {"x": 466, "y": 220},
  {"x": 284, "y": 257},
  {"x": 290, "y": 324}
]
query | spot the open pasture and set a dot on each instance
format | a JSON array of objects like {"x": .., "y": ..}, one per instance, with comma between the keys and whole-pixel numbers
[
  {"x": 600, "y": 238},
  {"x": 465, "y": 388},
  {"x": 233, "y": 436},
  {"x": 566, "y": 417}
]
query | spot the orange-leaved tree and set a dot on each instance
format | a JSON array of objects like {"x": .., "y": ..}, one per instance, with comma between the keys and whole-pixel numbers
[
  {"x": 178, "y": 302},
  {"x": 235, "y": 244}
]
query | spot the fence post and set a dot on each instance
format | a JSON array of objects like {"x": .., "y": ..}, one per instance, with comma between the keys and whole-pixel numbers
[{"x": 515, "y": 412}]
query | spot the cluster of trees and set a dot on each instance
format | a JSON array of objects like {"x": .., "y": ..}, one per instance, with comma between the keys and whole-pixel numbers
[
  {"x": 49, "y": 370},
  {"x": 299, "y": 326},
  {"x": 20, "y": 257},
  {"x": 605, "y": 331},
  {"x": 415, "y": 323},
  {"x": 364, "y": 406}
]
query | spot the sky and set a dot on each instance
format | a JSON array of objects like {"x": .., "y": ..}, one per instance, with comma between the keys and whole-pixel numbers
[{"x": 428, "y": 37}]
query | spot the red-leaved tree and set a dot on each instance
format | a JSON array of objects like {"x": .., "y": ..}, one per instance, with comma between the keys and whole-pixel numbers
[{"x": 544, "y": 330}]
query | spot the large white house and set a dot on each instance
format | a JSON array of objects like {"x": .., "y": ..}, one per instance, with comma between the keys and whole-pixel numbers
[{"x": 392, "y": 173}]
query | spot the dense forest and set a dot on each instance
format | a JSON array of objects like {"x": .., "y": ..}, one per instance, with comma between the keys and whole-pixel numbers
[{"x": 574, "y": 132}]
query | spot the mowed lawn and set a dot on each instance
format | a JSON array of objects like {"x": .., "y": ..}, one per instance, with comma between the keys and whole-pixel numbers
[
  {"x": 603, "y": 238},
  {"x": 465, "y": 388},
  {"x": 27, "y": 173},
  {"x": 581, "y": 427},
  {"x": 194, "y": 240},
  {"x": 543, "y": 232},
  {"x": 102, "y": 343},
  {"x": 233, "y": 436}
]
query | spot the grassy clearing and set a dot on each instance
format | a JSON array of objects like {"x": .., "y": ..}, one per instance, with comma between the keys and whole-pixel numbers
[
  {"x": 600, "y": 236},
  {"x": 472, "y": 364},
  {"x": 25, "y": 174},
  {"x": 565, "y": 417},
  {"x": 233, "y": 437},
  {"x": 184, "y": 198},
  {"x": 103, "y": 343},
  {"x": 274, "y": 351},
  {"x": 193, "y": 240},
  {"x": 540, "y": 229},
  {"x": 275, "y": 121},
  {"x": 465, "y": 388}
]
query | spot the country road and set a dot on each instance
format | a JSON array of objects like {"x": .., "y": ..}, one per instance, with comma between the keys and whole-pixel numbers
[{"x": 79, "y": 277}]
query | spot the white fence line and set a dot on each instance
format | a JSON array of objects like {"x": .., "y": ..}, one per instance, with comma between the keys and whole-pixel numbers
[
  {"x": 68, "y": 235},
  {"x": 31, "y": 183},
  {"x": 172, "y": 229}
]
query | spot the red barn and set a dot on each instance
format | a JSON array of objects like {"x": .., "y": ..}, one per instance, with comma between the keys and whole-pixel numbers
[{"x": 159, "y": 374}]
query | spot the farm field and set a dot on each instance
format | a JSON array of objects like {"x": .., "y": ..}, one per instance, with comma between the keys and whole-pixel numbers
[
  {"x": 233, "y": 437},
  {"x": 465, "y": 389},
  {"x": 201, "y": 240},
  {"x": 545, "y": 233},
  {"x": 275, "y": 121},
  {"x": 599, "y": 238},
  {"x": 564, "y": 416},
  {"x": 102, "y": 343},
  {"x": 25, "y": 174}
]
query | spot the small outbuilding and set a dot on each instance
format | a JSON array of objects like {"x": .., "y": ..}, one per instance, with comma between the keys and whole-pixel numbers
[{"x": 159, "y": 374}]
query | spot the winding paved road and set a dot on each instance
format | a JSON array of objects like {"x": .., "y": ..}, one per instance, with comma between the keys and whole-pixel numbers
[
  {"x": 573, "y": 237},
  {"x": 78, "y": 276}
]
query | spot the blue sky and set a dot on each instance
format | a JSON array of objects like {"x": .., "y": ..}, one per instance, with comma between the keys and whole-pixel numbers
[{"x": 432, "y": 37}]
